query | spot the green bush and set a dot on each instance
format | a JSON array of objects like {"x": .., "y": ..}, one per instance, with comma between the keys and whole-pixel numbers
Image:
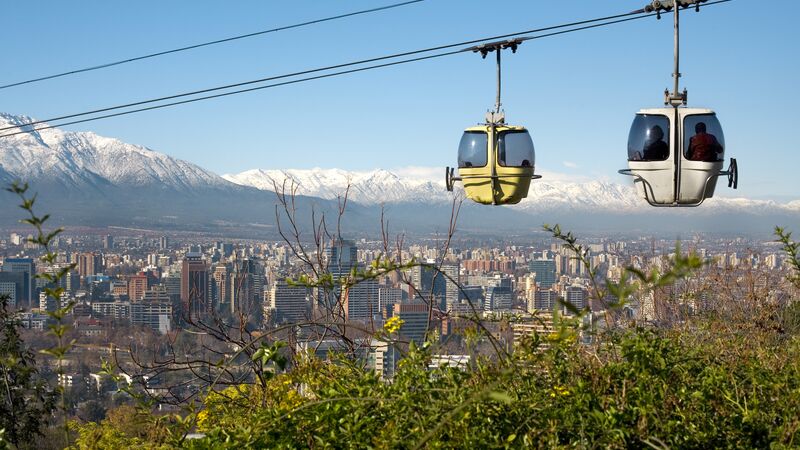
[{"x": 639, "y": 389}]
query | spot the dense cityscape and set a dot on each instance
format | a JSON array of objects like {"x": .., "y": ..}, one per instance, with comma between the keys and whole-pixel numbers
[{"x": 128, "y": 286}]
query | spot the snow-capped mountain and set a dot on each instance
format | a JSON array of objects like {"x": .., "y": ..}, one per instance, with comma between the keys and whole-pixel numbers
[
  {"x": 85, "y": 179},
  {"x": 81, "y": 158},
  {"x": 368, "y": 188}
]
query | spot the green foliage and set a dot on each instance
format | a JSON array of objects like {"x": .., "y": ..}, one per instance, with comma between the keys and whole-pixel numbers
[
  {"x": 641, "y": 389},
  {"x": 270, "y": 354},
  {"x": 44, "y": 239},
  {"x": 26, "y": 401},
  {"x": 125, "y": 427},
  {"x": 792, "y": 250}
]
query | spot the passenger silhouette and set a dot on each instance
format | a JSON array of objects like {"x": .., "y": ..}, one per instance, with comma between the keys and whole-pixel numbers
[
  {"x": 655, "y": 149},
  {"x": 704, "y": 146}
]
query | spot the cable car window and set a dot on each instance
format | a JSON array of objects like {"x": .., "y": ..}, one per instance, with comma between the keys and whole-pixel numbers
[
  {"x": 515, "y": 149},
  {"x": 648, "y": 139},
  {"x": 472, "y": 149},
  {"x": 702, "y": 138}
]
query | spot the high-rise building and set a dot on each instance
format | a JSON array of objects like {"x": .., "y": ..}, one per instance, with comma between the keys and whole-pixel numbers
[
  {"x": 341, "y": 256},
  {"x": 27, "y": 291},
  {"x": 541, "y": 324},
  {"x": 428, "y": 284},
  {"x": 246, "y": 287},
  {"x": 575, "y": 295},
  {"x": 163, "y": 243},
  {"x": 288, "y": 304},
  {"x": 500, "y": 294},
  {"x": 153, "y": 311},
  {"x": 471, "y": 300},
  {"x": 530, "y": 292},
  {"x": 108, "y": 242},
  {"x": 545, "y": 270},
  {"x": 772, "y": 261},
  {"x": 387, "y": 297},
  {"x": 194, "y": 287},
  {"x": 414, "y": 315},
  {"x": 113, "y": 310},
  {"x": 222, "y": 296},
  {"x": 382, "y": 358},
  {"x": 361, "y": 300},
  {"x": 452, "y": 281},
  {"x": 172, "y": 283},
  {"x": 90, "y": 264},
  {"x": 137, "y": 285},
  {"x": 71, "y": 281},
  {"x": 119, "y": 288},
  {"x": 226, "y": 249},
  {"x": 499, "y": 299},
  {"x": 10, "y": 286},
  {"x": 545, "y": 299}
]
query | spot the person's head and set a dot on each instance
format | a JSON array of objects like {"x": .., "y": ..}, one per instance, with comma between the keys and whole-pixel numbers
[
  {"x": 700, "y": 127},
  {"x": 656, "y": 133}
]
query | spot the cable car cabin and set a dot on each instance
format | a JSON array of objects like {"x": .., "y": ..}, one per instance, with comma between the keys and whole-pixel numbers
[
  {"x": 495, "y": 163},
  {"x": 676, "y": 155}
]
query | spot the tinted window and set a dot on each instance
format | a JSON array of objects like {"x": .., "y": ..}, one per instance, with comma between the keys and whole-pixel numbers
[
  {"x": 702, "y": 138},
  {"x": 649, "y": 138},
  {"x": 515, "y": 149},
  {"x": 472, "y": 149}
]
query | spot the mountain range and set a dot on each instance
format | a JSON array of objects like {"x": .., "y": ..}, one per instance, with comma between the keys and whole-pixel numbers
[{"x": 89, "y": 180}]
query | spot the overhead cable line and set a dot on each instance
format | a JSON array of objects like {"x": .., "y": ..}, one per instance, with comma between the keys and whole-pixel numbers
[
  {"x": 206, "y": 44},
  {"x": 619, "y": 19},
  {"x": 321, "y": 69}
]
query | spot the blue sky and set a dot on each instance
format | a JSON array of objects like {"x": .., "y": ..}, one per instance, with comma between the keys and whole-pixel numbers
[{"x": 576, "y": 93}]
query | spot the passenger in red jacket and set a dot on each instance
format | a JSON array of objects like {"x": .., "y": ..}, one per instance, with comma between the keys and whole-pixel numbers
[{"x": 704, "y": 146}]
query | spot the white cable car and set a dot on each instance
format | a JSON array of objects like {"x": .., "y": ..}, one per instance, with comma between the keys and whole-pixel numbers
[{"x": 676, "y": 153}]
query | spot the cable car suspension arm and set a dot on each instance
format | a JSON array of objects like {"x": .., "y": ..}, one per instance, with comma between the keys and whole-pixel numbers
[
  {"x": 496, "y": 116},
  {"x": 674, "y": 98}
]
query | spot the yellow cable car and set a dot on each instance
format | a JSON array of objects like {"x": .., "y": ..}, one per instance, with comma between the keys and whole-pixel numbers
[
  {"x": 495, "y": 160},
  {"x": 495, "y": 163}
]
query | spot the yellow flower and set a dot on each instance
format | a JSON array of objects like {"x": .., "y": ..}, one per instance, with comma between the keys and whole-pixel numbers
[
  {"x": 202, "y": 417},
  {"x": 393, "y": 325},
  {"x": 560, "y": 390}
]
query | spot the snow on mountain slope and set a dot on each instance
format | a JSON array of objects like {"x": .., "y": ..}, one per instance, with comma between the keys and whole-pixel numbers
[
  {"x": 370, "y": 188},
  {"x": 382, "y": 186},
  {"x": 79, "y": 158},
  {"x": 551, "y": 192}
]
